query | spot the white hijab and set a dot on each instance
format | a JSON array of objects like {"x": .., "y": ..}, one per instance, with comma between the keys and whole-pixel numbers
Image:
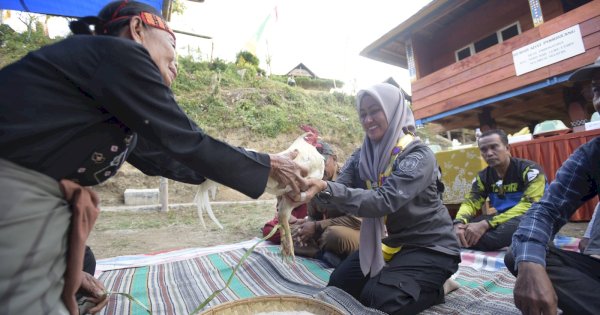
[{"x": 374, "y": 159}]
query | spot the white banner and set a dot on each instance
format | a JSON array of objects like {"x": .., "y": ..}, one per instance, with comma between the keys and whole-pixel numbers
[{"x": 546, "y": 51}]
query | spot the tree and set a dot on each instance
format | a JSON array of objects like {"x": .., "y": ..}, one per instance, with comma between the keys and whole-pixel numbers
[
  {"x": 178, "y": 7},
  {"x": 245, "y": 56},
  {"x": 30, "y": 20}
]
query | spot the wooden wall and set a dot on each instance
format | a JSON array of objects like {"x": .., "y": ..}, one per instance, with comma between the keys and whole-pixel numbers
[
  {"x": 492, "y": 72},
  {"x": 437, "y": 51}
]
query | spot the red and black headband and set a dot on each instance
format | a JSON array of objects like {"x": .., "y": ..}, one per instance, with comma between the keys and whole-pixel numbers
[{"x": 148, "y": 18}]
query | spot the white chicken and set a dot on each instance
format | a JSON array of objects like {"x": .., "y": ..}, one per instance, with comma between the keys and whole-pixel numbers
[
  {"x": 312, "y": 160},
  {"x": 308, "y": 157}
]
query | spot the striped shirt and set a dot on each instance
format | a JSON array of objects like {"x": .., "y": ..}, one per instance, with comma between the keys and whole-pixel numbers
[{"x": 577, "y": 181}]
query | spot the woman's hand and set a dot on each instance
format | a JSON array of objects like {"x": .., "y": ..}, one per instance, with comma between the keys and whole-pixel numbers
[
  {"x": 287, "y": 172},
  {"x": 314, "y": 186}
]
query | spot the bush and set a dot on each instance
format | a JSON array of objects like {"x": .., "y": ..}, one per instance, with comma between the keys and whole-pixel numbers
[
  {"x": 317, "y": 83},
  {"x": 218, "y": 65},
  {"x": 13, "y": 45},
  {"x": 310, "y": 83}
]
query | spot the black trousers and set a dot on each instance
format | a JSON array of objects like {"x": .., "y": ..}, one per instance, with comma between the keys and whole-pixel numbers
[
  {"x": 410, "y": 283},
  {"x": 89, "y": 261},
  {"x": 495, "y": 239},
  {"x": 575, "y": 278}
]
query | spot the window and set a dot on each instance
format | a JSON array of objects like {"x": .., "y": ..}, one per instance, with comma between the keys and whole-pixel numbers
[
  {"x": 499, "y": 36},
  {"x": 463, "y": 53},
  {"x": 486, "y": 42},
  {"x": 510, "y": 31}
]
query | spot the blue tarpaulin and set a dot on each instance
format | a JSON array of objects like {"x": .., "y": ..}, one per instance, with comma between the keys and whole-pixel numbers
[{"x": 73, "y": 8}]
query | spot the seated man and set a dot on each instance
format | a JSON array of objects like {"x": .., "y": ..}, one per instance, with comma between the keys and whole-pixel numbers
[
  {"x": 298, "y": 212},
  {"x": 291, "y": 81},
  {"x": 326, "y": 234},
  {"x": 548, "y": 276},
  {"x": 301, "y": 211},
  {"x": 512, "y": 185}
]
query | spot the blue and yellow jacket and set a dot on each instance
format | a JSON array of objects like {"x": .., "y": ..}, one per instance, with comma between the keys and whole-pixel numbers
[{"x": 523, "y": 184}]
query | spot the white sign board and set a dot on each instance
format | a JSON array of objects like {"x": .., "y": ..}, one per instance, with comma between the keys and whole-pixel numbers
[{"x": 546, "y": 51}]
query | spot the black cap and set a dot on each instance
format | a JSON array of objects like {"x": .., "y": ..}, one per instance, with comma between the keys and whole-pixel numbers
[
  {"x": 324, "y": 148},
  {"x": 586, "y": 73}
]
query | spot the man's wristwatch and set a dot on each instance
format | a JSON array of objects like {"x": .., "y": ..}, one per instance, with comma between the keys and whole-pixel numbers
[{"x": 457, "y": 221}]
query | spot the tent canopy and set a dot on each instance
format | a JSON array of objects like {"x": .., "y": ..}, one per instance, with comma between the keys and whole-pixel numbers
[{"x": 72, "y": 8}]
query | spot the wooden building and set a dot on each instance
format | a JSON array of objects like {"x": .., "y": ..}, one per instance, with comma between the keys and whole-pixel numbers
[
  {"x": 461, "y": 57},
  {"x": 301, "y": 71},
  {"x": 501, "y": 64}
]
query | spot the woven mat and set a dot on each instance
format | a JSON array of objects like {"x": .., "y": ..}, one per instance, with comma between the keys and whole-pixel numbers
[
  {"x": 480, "y": 292},
  {"x": 178, "y": 287}
]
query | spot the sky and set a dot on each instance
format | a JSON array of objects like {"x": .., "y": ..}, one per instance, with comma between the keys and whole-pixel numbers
[{"x": 325, "y": 35}]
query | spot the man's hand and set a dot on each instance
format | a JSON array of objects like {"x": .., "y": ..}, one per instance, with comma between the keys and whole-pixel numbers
[
  {"x": 459, "y": 230},
  {"x": 95, "y": 291},
  {"x": 293, "y": 220},
  {"x": 533, "y": 291},
  {"x": 287, "y": 172},
  {"x": 474, "y": 231},
  {"x": 296, "y": 222},
  {"x": 305, "y": 232}
]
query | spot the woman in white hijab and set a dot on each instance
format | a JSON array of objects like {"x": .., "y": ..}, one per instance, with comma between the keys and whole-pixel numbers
[{"x": 407, "y": 247}]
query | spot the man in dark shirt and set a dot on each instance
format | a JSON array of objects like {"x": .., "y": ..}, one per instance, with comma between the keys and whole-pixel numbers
[{"x": 547, "y": 276}]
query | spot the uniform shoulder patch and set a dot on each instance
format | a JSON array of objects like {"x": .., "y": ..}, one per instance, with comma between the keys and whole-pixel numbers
[
  {"x": 410, "y": 162},
  {"x": 532, "y": 174}
]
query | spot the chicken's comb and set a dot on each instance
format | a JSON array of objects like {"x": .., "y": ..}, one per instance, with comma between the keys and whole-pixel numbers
[{"x": 311, "y": 129}]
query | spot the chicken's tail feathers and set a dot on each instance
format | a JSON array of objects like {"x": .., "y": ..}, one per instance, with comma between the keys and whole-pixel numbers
[{"x": 202, "y": 200}]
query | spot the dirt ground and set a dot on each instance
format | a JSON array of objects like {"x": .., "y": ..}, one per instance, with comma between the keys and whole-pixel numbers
[
  {"x": 136, "y": 232},
  {"x": 131, "y": 232},
  {"x": 140, "y": 232},
  {"x": 120, "y": 232}
]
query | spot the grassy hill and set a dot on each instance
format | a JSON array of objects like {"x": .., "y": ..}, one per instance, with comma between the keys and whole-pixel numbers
[{"x": 254, "y": 110}]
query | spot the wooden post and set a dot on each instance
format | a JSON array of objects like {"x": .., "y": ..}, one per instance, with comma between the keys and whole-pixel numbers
[
  {"x": 163, "y": 194},
  {"x": 166, "y": 9}
]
